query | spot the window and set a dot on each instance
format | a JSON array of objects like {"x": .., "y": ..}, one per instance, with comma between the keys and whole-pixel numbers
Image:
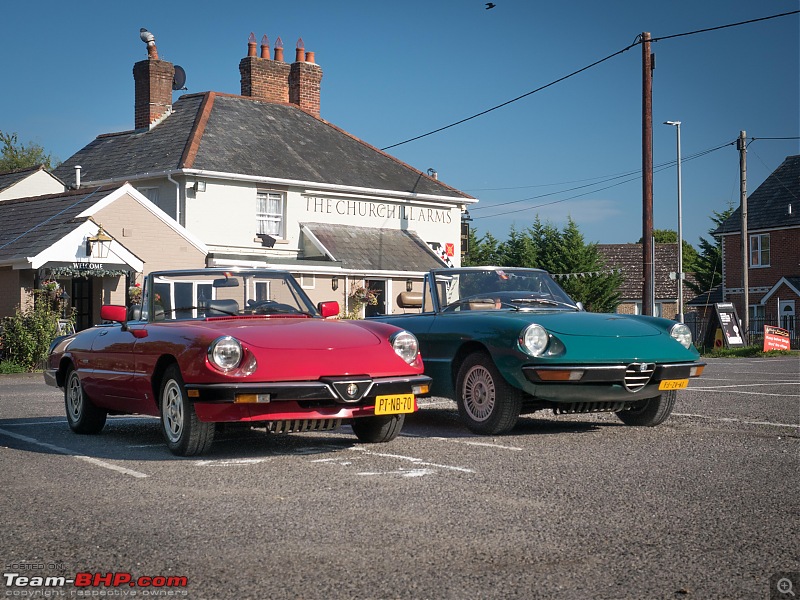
[
  {"x": 151, "y": 193},
  {"x": 757, "y": 318},
  {"x": 759, "y": 250},
  {"x": 658, "y": 312},
  {"x": 307, "y": 281},
  {"x": 269, "y": 213}
]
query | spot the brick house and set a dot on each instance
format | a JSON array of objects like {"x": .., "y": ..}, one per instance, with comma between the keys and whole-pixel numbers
[
  {"x": 773, "y": 232},
  {"x": 628, "y": 259}
]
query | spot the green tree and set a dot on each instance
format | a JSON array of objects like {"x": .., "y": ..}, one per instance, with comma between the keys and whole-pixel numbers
[
  {"x": 708, "y": 268},
  {"x": 26, "y": 336},
  {"x": 483, "y": 251},
  {"x": 14, "y": 155},
  {"x": 518, "y": 250}
]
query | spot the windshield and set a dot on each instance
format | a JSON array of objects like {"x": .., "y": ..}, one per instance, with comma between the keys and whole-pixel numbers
[
  {"x": 494, "y": 288},
  {"x": 181, "y": 295}
]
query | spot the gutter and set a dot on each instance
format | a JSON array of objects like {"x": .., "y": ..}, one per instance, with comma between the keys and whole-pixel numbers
[{"x": 311, "y": 185}]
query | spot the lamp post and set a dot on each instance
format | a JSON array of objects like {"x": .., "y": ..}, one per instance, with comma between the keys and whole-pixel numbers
[{"x": 679, "y": 276}]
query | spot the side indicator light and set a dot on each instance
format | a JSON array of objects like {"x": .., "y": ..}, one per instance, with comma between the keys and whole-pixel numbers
[
  {"x": 251, "y": 398},
  {"x": 420, "y": 389},
  {"x": 566, "y": 375},
  {"x": 696, "y": 371}
]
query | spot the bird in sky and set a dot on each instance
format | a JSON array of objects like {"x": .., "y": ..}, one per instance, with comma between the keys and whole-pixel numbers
[{"x": 490, "y": 5}]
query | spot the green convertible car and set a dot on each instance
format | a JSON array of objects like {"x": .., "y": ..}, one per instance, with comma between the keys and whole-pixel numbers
[{"x": 507, "y": 341}]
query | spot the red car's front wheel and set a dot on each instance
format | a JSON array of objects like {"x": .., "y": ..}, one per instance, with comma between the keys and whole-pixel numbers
[{"x": 185, "y": 434}]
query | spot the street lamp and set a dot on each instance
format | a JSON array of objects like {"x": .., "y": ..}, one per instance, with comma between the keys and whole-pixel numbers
[{"x": 677, "y": 125}]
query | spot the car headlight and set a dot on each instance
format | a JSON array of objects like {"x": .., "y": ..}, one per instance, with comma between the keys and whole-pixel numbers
[
  {"x": 225, "y": 353},
  {"x": 534, "y": 339},
  {"x": 406, "y": 346},
  {"x": 682, "y": 334}
]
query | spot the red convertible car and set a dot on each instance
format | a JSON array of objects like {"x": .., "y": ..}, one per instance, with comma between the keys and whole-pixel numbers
[{"x": 213, "y": 346}]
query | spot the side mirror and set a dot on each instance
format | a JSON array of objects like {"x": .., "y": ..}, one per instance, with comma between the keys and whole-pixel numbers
[
  {"x": 113, "y": 312},
  {"x": 580, "y": 305},
  {"x": 328, "y": 309}
]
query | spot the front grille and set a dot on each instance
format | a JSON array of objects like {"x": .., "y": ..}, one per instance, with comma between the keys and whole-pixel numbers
[
  {"x": 637, "y": 375},
  {"x": 588, "y": 407},
  {"x": 299, "y": 425}
]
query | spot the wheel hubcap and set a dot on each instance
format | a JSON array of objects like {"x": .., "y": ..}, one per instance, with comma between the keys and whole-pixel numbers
[
  {"x": 173, "y": 411},
  {"x": 74, "y": 398},
  {"x": 479, "y": 393}
]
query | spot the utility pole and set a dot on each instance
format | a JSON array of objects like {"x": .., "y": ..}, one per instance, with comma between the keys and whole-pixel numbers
[
  {"x": 741, "y": 145},
  {"x": 648, "y": 295}
]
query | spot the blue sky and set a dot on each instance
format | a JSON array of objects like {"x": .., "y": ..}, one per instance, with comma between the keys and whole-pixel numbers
[{"x": 396, "y": 70}]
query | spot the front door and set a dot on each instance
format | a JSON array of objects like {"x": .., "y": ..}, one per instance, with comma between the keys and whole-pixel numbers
[
  {"x": 82, "y": 302},
  {"x": 786, "y": 314}
]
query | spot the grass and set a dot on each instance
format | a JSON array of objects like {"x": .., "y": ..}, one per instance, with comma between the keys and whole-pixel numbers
[
  {"x": 746, "y": 352},
  {"x": 7, "y": 367}
]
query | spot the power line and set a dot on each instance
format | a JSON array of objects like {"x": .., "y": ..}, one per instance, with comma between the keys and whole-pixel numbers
[
  {"x": 636, "y": 42},
  {"x": 657, "y": 168}
]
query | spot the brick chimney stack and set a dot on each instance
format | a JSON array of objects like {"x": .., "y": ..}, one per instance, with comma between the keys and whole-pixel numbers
[
  {"x": 304, "y": 80},
  {"x": 153, "y": 85},
  {"x": 263, "y": 78},
  {"x": 276, "y": 81}
]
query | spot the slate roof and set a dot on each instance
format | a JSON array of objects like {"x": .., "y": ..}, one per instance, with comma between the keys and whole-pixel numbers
[
  {"x": 768, "y": 205},
  {"x": 31, "y": 225},
  {"x": 712, "y": 296},
  {"x": 9, "y": 178},
  {"x": 628, "y": 257},
  {"x": 372, "y": 248},
  {"x": 236, "y": 134}
]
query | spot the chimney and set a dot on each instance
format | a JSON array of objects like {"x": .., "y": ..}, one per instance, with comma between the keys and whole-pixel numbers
[
  {"x": 304, "y": 80},
  {"x": 262, "y": 78},
  {"x": 153, "y": 85}
]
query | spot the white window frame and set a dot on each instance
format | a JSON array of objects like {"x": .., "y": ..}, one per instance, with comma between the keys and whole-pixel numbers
[
  {"x": 270, "y": 222},
  {"x": 759, "y": 250},
  {"x": 757, "y": 317},
  {"x": 308, "y": 281}
]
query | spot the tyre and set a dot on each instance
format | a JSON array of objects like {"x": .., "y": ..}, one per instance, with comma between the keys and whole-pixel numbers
[
  {"x": 374, "y": 430},
  {"x": 487, "y": 403},
  {"x": 185, "y": 434},
  {"x": 652, "y": 412},
  {"x": 83, "y": 416}
]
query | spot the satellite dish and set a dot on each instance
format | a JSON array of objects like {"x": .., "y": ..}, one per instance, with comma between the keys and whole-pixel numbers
[{"x": 179, "y": 79}]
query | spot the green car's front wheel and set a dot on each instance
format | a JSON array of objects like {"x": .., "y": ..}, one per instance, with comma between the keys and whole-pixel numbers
[
  {"x": 487, "y": 403},
  {"x": 652, "y": 412}
]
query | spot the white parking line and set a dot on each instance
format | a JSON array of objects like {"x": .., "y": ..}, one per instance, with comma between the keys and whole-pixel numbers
[
  {"x": 732, "y": 420},
  {"x": 227, "y": 463},
  {"x": 68, "y": 452},
  {"x": 455, "y": 441},
  {"x": 416, "y": 461}
]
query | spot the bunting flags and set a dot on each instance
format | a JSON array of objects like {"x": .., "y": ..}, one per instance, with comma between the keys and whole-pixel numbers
[{"x": 586, "y": 274}]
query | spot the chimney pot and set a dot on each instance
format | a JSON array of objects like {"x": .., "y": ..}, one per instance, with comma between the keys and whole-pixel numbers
[
  {"x": 310, "y": 56},
  {"x": 279, "y": 49},
  {"x": 265, "y": 46},
  {"x": 300, "y": 51},
  {"x": 251, "y": 44}
]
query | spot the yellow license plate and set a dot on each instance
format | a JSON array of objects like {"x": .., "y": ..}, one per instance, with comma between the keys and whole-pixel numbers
[
  {"x": 673, "y": 384},
  {"x": 394, "y": 404}
]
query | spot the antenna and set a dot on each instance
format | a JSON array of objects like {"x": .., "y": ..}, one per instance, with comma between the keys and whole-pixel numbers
[{"x": 179, "y": 79}]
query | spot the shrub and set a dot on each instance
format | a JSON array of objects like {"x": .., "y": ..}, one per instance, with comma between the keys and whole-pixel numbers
[{"x": 26, "y": 337}]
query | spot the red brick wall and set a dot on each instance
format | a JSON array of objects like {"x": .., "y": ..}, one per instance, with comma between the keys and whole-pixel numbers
[{"x": 264, "y": 79}]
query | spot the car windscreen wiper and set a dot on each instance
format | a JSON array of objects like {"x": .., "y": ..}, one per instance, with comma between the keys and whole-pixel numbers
[{"x": 544, "y": 301}]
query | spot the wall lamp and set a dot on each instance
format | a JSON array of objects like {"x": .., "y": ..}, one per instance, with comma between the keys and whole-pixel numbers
[
  {"x": 199, "y": 186},
  {"x": 334, "y": 283},
  {"x": 98, "y": 245}
]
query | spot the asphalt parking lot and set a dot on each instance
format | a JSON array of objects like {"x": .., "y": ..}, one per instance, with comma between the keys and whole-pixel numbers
[{"x": 704, "y": 506}]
